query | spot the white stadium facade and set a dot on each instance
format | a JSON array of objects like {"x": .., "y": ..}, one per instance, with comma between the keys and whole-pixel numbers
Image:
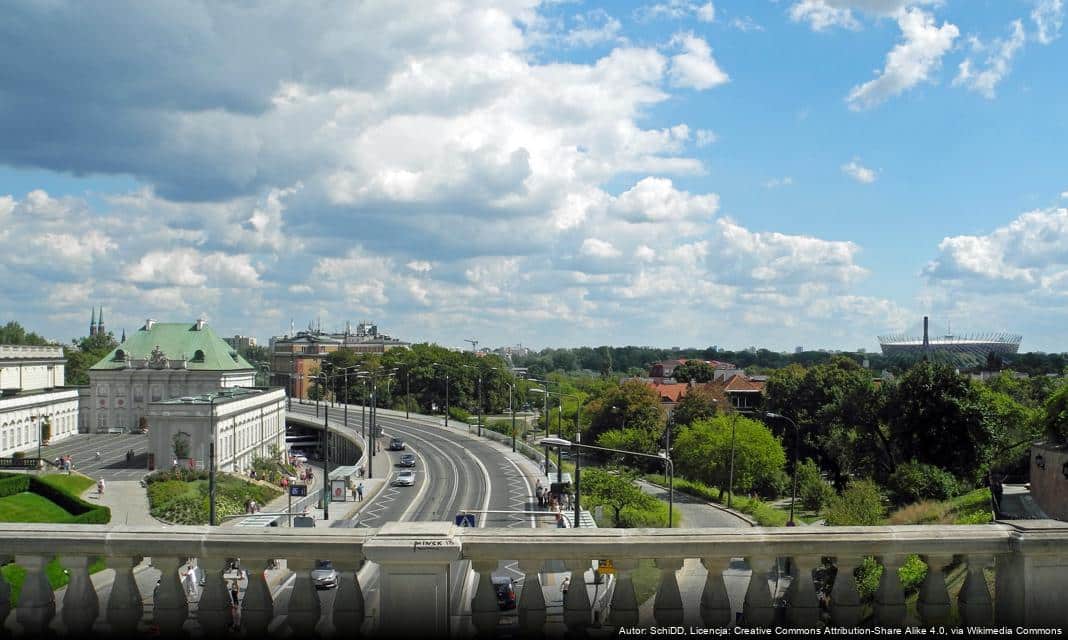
[{"x": 960, "y": 348}]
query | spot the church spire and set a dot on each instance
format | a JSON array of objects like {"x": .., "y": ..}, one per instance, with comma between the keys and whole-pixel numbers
[
  {"x": 100, "y": 321},
  {"x": 92, "y": 323},
  {"x": 123, "y": 336}
]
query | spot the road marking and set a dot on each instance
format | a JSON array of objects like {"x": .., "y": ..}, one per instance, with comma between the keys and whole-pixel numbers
[{"x": 446, "y": 458}]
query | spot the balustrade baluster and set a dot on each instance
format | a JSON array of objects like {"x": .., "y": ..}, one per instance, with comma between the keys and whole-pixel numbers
[
  {"x": 80, "y": 604},
  {"x": 215, "y": 609},
  {"x": 304, "y": 608},
  {"x": 257, "y": 609},
  {"x": 933, "y": 604},
  {"x": 845, "y": 598},
  {"x": 484, "y": 609},
  {"x": 759, "y": 607},
  {"x": 37, "y": 602},
  {"x": 577, "y": 601},
  {"x": 624, "y": 608},
  {"x": 803, "y": 603},
  {"x": 667, "y": 606},
  {"x": 170, "y": 608},
  {"x": 974, "y": 602},
  {"x": 348, "y": 601},
  {"x": 531, "y": 599},
  {"x": 715, "y": 604},
  {"x": 890, "y": 598},
  {"x": 124, "y": 608}
]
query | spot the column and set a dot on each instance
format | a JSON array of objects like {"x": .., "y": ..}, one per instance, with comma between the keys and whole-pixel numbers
[
  {"x": 80, "y": 604},
  {"x": 933, "y": 602},
  {"x": 531, "y": 599},
  {"x": 348, "y": 601},
  {"x": 624, "y": 607},
  {"x": 124, "y": 608},
  {"x": 759, "y": 608},
  {"x": 845, "y": 599},
  {"x": 257, "y": 609},
  {"x": 484, "y": 610},
  {"x": 215, "y": 609},
  {"x": 37, "y": 602},
  {"x": 170, "y": 608},
  {"x": 803, "y": 603},
  {"x": 667, "y": 605},
  {"x": 577, "y": 601},
  {"x": 890, "y": 598},
  {"x": 304, "y": 607},
  {"x": 974, "y": 602}
]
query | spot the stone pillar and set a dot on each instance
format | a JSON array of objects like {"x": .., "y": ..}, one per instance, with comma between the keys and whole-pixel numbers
[
  {"x": 215, "y": 610},
  {"x": 1030, "y": 579},
  {"x": 304, "y": 606},
  {"x": 803, "y": 604},
  {"x": 413, "y": 559},
  {"x": 845, "y": 599},
  {"x": 577, "y": 600},
  {"x": 890, "y": 598},
  {"x": 531, "y": 599},
  {"x": 715, "y": 604},
  {"x": 170, "y": 608},
  {"x": 80, "y": 604},
  {"x": 257, "y": 609},
  {"x": 124, "y": 608},
  {"x": 624, "y": 608},
  {"x": 759, "y": 608},
  {"x": 974, "y": 602},
  {"x": 933, "y": 601},
  {"x": 5, "y": 599},
  {"x": 667, "y": 605},
  {"x": 37, "y": 602},
  {"x": 484, "y": 609},
  {"x": 348, "y": 601}
]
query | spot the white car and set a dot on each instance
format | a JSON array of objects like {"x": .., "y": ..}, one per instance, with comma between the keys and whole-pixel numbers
[{"x": 404, "y": 479}]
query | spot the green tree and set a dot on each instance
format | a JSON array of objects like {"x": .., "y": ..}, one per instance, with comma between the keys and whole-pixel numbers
[
  {"x": 699, "y": 403},
  {"x": 629, "y": 439},
  {"x": 14, "y": 333},
  {"x": 812, "y": 489},
  {"x": 861, "y": 504},
  {"x": 87, "y": 352},
  {"x": 614, "y": 489},
  {"x": 694, "y": 371},
  {"x": 1055, "y": 419},
  {"x": 632, "y": 404},
  {"x": 702, "y": 452}
]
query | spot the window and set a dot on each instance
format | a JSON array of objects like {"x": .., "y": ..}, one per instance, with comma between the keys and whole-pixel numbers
[{"x": 198, "y": 356}]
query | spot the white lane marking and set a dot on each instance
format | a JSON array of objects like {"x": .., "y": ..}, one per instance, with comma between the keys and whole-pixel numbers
[
  {"x": 446, "y": 458},
  {"x": 526, "y": 482},
  {"x": 486, "y": 475}
]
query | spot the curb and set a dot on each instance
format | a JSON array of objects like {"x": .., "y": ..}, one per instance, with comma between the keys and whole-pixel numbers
[{"x": 736, "y": 514}]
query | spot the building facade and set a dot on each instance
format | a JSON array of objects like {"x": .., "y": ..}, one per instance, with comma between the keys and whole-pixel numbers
[
  {"x": 160, "y": 361},
  {"x": 32, "y": 394},
  {"x": 246, "y": 423},
  {"x": 241, "y": 342}
]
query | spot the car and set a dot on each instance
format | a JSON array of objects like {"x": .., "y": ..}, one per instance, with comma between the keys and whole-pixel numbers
[
  {"x": 505, "y": 588},
  {"x": 407, "y": 460},
  {"x": 323, "y": 575},
  {"x": 396, "y": 444},
  {"x": 404, "y": 479}
]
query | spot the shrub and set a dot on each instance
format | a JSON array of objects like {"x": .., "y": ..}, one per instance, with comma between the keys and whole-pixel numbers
[
  {"x": 814, "y": 492},
  {"x": 860, "y": 504},
  {"x": 457, "y": 413},
  {"x": 914, "y": 481},
  {"x": 11, "y": 484},
  {"x": 82, "y": 512},
  {"x": 18, "y": 455}
]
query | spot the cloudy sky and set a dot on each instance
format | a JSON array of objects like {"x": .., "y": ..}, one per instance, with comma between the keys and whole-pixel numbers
[{"x": 735, "y": 172}]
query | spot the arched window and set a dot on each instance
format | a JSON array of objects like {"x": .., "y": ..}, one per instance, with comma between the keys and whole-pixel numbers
[
  {"x": 120, "y": 355},
  {"x": 198, "y": 356}
]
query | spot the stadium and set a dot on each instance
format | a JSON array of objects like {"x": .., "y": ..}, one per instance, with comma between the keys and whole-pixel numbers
[{"x": 962, "y": 349}]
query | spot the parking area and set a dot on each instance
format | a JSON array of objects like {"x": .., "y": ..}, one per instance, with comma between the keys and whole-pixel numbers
[{"x": 113, "y": 448}]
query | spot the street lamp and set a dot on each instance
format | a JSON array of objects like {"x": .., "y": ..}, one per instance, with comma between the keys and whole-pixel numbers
[
  {"x": 545, "y": 414},
  {"x": 665, "y": 457},
  {"x": 438, "y": 364},
  {"x": 475, "y": 367},
  {"x": 797, "y": 440},
  {"x": 211, "y": 462},
  {"x": 560, "y": 428}
]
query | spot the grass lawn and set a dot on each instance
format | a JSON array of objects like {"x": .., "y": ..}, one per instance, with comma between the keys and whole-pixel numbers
[
  {"x": 16, "y": 575},
  {"x": 74, "y": 484},
  {"x": 970, "y": 508},
  {"x": 186, "y": 501},
  {"x": 30, "y": 507}
]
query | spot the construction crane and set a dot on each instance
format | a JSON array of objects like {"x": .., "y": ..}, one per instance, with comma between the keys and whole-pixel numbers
[{"x": 474, "y": 344}]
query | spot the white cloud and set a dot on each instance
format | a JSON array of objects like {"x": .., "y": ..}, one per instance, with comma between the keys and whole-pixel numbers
[
  {"x": 419, "y": 266},
  {"x": 706, "y": 12},
  {"x": 1064, "y": 194},
  {"x": 695, "y": 68},
  {"x": 599, "y": 249},
  {"x": 820, "y": 15},
  {"x": 705, "y": 137},
  {"x": 859, "y": 172},
  {"x": 593, "y": 28},
  {"x": 191, "y": 268},
  {"x": 745, "y": 24},
  {"x": 1048, "y": 16},
  {"x": 775, "y": 183},
  {"x": 997, "y": 64},
  {"x": 677, "y": 10},
  {"x": 908, "y": 63},
  {"x": 657, "y": 200}
]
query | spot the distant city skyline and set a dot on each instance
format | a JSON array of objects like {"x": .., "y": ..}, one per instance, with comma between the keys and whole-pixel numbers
[{"x": 666, "y": 173}]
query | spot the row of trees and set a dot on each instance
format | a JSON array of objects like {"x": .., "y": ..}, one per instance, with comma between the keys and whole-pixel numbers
[{"x": 81, "y": 354}]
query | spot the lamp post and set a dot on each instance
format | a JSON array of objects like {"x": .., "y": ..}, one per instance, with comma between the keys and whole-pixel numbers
[
  {"x": 407, "y": 391},
  {"x": 730, "y": 477},
  {"x": 211, "y": 462},
  {"x": 797, "y": 441},
  {"x": 545, "y": 413},
  {"x": 511, "y": 406},
  {"x": 560, "y": 427},
  {"x": 438, "y": 364}
]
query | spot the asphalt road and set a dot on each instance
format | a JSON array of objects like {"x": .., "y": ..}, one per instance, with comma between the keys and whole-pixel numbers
[{"x": 112, "y": 463}]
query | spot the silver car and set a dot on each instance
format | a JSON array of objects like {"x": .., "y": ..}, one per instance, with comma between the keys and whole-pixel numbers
[
  {"x": 323, "y": 575},
  {"x": 404, "y": 479}
]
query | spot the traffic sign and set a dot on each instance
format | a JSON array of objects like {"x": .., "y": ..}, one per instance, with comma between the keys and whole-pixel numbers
[
  {"x": 303, "y": 521},
  {"x": 604, "y": 567},
  {"x": 298, "y": 490},
  {"x": 465, "y": 519}
]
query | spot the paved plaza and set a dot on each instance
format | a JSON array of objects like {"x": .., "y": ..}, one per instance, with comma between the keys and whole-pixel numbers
[{"x": 112, "y": 463}]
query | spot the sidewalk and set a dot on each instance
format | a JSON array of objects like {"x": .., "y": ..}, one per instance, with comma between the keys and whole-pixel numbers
[{"x": 127, "y": 500}]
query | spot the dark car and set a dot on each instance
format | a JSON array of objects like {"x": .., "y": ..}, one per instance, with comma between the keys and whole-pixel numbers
[
  {"x": 407, "y": 460},
  {"x": 505, "y": 589},
  {"x": 396, "y": 444}
]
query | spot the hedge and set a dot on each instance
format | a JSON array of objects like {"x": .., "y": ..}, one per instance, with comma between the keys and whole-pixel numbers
[
  {"x": 82, "y": 512},
  {"x": 12, "y": 483}
]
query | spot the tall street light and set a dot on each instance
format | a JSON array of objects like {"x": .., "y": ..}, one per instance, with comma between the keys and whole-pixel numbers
[
  {"x": 545, "y": 413},
  {"x": 560, "y": 429},
  {"x": 797, "y": 441},
  {"x": 438, "y": 364},
  {"x": 407, "y": 391},
  {"x": 211, "y": 462}
]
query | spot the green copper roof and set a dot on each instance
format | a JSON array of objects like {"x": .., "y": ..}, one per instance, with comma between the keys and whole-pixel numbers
[{"x": 177, "y": 341}]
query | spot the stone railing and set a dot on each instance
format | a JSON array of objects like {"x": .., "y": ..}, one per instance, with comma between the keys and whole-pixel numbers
[
  {"x": 25, "y": 351},
  {"x": 1029, "y": 561}
]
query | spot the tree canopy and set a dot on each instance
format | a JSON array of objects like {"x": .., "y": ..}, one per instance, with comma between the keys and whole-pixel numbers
[
  {"x": 702, "y": 451},
  {"x": 14, "y": 333}
]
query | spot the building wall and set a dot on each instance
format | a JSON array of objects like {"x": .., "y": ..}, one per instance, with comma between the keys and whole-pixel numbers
[
  {"x": 29, "y": 368},
  {"x": 118, "y": 398},
  {"x": 1049, "y": 485},
  {"x": 245, "y": 429},
  {"x": 19, "y": 430}
]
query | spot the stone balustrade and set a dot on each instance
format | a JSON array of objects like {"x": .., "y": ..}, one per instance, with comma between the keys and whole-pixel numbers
[{"x": 1029, "y": 560}]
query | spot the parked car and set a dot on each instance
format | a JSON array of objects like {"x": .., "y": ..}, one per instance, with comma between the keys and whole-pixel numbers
[
  {"x": 505, "y": 589},
  {"x": 407, "y": 460},
  {"x": 404, "y": 479},
  {"x": 323, "y": 575},
  {"x": 396, "y": 444}
]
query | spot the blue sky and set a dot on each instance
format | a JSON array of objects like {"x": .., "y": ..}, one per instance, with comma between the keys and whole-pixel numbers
[{"x": 759, "y": 172}]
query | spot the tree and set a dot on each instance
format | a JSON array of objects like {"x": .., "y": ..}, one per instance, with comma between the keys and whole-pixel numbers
[
  {"x": 702, "y": 451},
  {"x": 87, "y": 352},
  {"x": 694, "y": 371},
  {"x": 813, "y": 491},
  {"x": 614, "y": 489},
  {"x": 1056, "y": 416},
  {"x": 14, "y": 333},
  {"x": 629, "y": 439},
  {"x": 699, "y": 403},
  {"x": 861, "y": 504},
  {"x": 632, "y": 404},
  {"x": 180, "y": 444}
]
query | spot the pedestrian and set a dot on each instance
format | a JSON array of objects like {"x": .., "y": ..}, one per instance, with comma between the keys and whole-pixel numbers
[
  {"x": 359, "y": 491},
  {"x": 538, "y": 493},
  {"x": 560, "y": 522},
  {"x": 98, "y": 455},
  {"x": 564, "y": 586},
  {"x": 235, "y": 593},
  {"x": 190, "y": 580},
  {"x": 100, "y": 487}
]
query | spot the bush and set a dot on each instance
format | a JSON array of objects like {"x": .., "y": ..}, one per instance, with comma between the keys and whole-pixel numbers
[
  {"x": 11, "y": 484},
  {"x": 814, "y": 492},
  {"x": 915, "y": 481},
  {"x": 82, "y": 512},
  {"x": 457, "y": 413},
  {"x": 18, "y": 455},
  {"x": 860, "y": 504}
]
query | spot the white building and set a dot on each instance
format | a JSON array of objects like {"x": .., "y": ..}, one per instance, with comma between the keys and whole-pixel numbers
[
  {"x": 32, "y": 393},
  {"x": 160, "y": 361},
  {"x": 246, "y": 422}
]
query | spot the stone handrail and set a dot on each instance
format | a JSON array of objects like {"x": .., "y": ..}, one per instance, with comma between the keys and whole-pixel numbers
[{"x": 1029, "y": 559}]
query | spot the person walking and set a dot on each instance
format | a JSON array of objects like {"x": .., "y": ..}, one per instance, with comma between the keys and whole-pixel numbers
[
  {"x": 539, "y": 492},
  {"x": 100, "y": 487},
  {"x": 189, "y": 580},
  {"x": 359, "y": 491}
]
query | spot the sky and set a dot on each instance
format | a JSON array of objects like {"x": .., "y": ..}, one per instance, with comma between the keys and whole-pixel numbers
[{"x": 775, "y": 173}]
